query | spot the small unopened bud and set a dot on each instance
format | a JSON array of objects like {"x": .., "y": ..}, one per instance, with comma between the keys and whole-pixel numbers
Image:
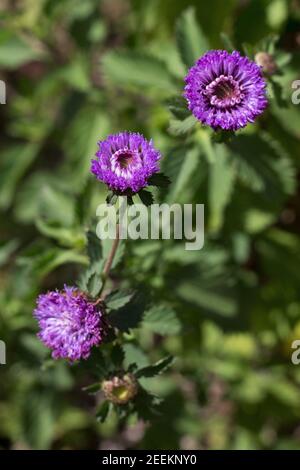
[
  {"x": 120, "y": 390},
  {"x": 266, "y": 62}
]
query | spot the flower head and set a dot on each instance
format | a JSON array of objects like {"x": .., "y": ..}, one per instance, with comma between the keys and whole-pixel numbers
[
  {"x": 125, "y": 161},
  {"x": 120, "y": 390},
  {"x": 225, "y": 91},
  {"x": 69, "y": 324}
]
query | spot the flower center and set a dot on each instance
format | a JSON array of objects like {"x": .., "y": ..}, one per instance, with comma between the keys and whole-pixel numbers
[
  {"x": 123, "y": 161},
  {"x": 124, "y": 158},
  {"x": 224, "y": 92}
]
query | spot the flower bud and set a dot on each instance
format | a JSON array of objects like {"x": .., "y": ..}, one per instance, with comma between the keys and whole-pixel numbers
[
  {"x": 266, "y": 62},
  {"x": 120, "y": 390}
]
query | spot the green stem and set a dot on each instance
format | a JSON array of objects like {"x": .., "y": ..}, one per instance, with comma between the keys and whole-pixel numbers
[{"x": 110, "y": 259}]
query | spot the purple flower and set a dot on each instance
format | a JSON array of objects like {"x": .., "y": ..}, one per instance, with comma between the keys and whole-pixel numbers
[
  {"x": 69, "y": 324},
  {"x": 125, "y": 161},
  {"x": 225, "y": 91}
]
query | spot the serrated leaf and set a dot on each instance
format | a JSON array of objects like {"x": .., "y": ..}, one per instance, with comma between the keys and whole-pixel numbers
[
  {"x": 178, "y": 107},
  {"x": 156, "y": 369},
  {"x": 94, "y": 247},
  {"x": 146, "y": 197},
  {"x": 191, "y": 41},
  {"x": 118, "y": 299},
  {"x": 179, "y": 128},
  {"x": 135, "y": 357},
  {"x": 159, "y": 180},
  {"x": 90, "y": 280},
  {"x": 161, "y": 319},
  {"x": 94, "y": 284},
  {"x": 130, "y": 315}
]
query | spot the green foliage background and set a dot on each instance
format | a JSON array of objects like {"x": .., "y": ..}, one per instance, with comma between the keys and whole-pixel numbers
[{"x": 75, "y": 72}]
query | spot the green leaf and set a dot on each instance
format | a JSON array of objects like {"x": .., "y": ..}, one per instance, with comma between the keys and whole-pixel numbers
[
  {"x": 76, "y": 73},
  {"x": 263, "y": 165},
  {"x": 93, "y": 388},
  {"x": 256, "y": 220},
  {"x": 117, "y": 356},
  {"x": 83, "y": 204},
  {"x": 130, "y": 315},
  {"x": 209, "y": 299},
  {"x": 228, "y": 44},
  {"x": 134, "y": 357},
  {"x": 94, "y": 284},
  {"x": 128, "y": 68},
  {"x": 88, "y": 125},
  {"x": 118, "y": 299},
  {"x": 221, "y": 183},
  {"x": 69, "y": 237},
  {"x": 155, "y": 369},
  {"x": 94, "y": 247},
  {"x": 191, "y": 41},
  {"x": 14, "y": 163},
  {"x": 111, "y": 198},
  {"x": 179, "y": 128},
  {"x": 38, "y": 412},
  {"x": 15, "y": 52},
  {"x": 146, "y": 197},
  {"x": 276, "y": 91},
  {"x": 178, "y": 107},
  {"x": 42, "y": 196},
  {"x": 6, "y": 250},
  {"x": 182, "y": 164},
  {"x": 222, "y": 137},
  {"x": 159, "y": 180},
  {"x": 103, "y": 411},
  {"x": 161, "y": 319},
  {"x": 39, "y": 262},
  {"x": 147, "y": 405},
  {"x": 90, "y": 280}
]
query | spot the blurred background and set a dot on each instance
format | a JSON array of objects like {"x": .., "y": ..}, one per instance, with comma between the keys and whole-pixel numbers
[{"x": 76, "y": 71}]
